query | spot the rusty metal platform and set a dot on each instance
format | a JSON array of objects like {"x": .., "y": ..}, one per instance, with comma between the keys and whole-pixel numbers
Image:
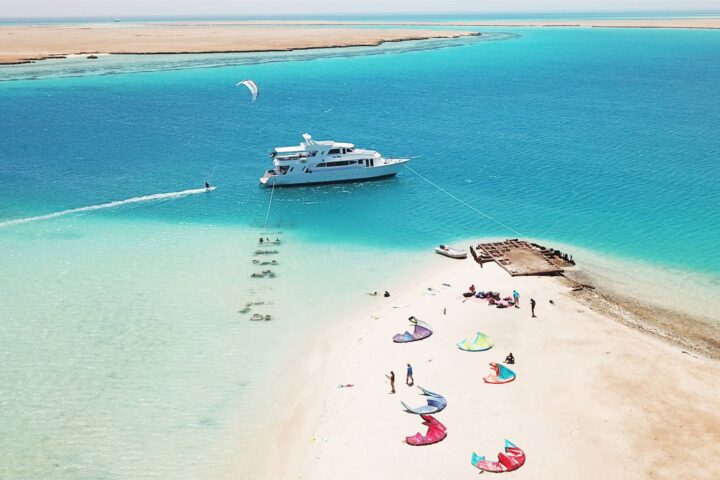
[{"x": 519, "y": 258}]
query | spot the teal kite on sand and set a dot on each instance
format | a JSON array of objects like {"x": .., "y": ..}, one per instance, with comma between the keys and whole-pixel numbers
[{"x": 481, "y": 343}]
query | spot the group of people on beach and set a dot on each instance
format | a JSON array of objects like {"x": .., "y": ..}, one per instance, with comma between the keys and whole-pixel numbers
[
  {"x": 509, "y": 359},
  {"x": 409, "y": 380},
  {"x": 374, "y": 294}
]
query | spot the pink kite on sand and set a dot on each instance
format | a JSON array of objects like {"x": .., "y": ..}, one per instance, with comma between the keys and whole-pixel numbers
[
  {"x": 436, "y": 433},
  {"x": 512, "y": 459}
]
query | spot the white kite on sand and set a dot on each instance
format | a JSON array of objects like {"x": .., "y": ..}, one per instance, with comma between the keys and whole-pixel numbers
[{"x": 252, "y": 86}]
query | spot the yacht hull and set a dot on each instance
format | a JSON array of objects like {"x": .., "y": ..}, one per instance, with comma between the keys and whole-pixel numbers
[{"x": 325, "y": 177}]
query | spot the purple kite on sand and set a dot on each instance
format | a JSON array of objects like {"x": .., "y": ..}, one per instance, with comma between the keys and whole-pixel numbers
[{"x": 422, "y": 330}]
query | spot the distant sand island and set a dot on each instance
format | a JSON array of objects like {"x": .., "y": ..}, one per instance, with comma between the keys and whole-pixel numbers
[
  {"x": 25, "y": 44},
  {"x": 29, "y": 43}
]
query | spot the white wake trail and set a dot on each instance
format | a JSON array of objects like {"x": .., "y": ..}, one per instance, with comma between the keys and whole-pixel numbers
[{"x": 144, "y": 198}]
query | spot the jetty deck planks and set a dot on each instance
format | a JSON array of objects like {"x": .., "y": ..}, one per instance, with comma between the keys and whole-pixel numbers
[{"x": 519, "y": 258}]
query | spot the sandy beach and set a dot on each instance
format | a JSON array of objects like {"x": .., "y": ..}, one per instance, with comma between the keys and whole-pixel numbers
[
  {"x": 22, "y": 44},
  {"x": 591, "y": 394}
]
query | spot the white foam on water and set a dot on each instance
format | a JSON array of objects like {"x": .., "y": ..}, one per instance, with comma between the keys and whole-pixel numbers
[{"x": 117, "y": 203}]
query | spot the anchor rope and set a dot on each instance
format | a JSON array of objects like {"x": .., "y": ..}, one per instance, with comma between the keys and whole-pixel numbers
[
  {"x": 463, "y": 202},
  {"x": 267, "y": 214}
]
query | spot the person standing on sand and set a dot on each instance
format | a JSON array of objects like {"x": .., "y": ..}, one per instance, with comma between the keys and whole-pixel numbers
[
  {"x": 532, "y": 307},
  {"x": 392, "y": 381},
  {"x": 409, "y": 380},
  {"x": 516, "y": 298}
]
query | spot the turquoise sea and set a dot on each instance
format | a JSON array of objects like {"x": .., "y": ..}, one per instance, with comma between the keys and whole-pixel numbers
[{"x": 124, "y": 353}]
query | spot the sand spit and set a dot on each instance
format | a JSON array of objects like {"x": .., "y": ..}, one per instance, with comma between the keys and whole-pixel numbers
[
  {"x": 25, "y": 44},
  {"x": 702, "y": 23},
  {"x": 588, "y": 389}
]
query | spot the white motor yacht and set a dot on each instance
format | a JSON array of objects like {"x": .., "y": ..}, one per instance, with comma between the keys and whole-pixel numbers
[{"x": 314, "y": 162}]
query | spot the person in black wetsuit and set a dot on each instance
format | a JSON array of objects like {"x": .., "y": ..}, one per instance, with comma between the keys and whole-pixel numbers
[{"x": 207, "y": 186}]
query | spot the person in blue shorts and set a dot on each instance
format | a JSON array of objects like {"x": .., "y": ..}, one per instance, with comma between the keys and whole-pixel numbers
[{"x": 409, "y": 380}]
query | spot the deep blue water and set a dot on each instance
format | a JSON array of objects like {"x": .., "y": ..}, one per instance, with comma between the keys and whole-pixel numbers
[{"x": 607, "y": 139}]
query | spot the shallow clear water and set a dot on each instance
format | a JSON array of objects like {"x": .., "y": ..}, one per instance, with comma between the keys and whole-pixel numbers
[{"x": 126, "y": 357}]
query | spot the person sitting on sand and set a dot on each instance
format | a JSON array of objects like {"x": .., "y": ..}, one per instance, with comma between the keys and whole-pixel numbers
[
  {"x": 386, "y": 294},
  {"x": 374, "y": 294},
  {"x": 510, "y": 360},
  {"x": 472, "y": 288},
  {"x": 392, "y": 381}
]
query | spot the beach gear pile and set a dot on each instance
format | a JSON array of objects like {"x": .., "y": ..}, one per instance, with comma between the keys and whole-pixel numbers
[{"x": 493, "y": 298}]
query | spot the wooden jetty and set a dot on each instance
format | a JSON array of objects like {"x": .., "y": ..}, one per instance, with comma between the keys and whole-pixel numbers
[{"x": 518, "y": 257}]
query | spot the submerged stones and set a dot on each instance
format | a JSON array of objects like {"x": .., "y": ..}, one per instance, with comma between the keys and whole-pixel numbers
[{"x": 264, "y": 274}]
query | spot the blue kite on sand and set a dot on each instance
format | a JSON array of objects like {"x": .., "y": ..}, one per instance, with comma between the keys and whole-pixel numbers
[{"x": 435, "y": 403}]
